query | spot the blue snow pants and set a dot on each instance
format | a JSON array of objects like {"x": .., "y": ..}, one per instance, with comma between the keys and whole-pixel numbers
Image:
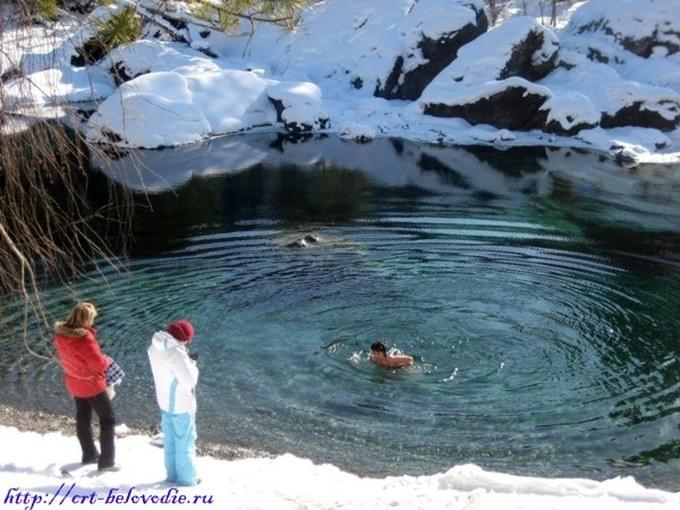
[{"x": 179, "y": 444}]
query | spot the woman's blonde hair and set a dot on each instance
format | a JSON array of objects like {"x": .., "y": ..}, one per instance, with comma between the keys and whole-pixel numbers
[{"x": 82, "y": 315}]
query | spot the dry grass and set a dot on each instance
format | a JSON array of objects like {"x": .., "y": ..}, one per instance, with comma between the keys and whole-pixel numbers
[{"x": 49, "y": 225}]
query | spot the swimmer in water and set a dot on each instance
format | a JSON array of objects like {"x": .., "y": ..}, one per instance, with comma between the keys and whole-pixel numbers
[{"x": 380, "y": 357}]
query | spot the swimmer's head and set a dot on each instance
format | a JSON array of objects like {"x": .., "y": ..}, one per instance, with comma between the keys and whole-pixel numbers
[{"x": 378, "y": 347}]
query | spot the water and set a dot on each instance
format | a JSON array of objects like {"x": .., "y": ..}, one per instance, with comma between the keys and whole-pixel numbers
[{"x": 537, "y": 289}]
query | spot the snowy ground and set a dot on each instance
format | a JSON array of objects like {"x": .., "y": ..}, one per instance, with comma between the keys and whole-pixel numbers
[{"x": 30, "y": 477}]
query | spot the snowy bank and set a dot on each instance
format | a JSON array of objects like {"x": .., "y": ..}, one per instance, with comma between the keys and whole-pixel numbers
[
  {"x": 31, "y": 475},
  {"x": 427, "y": 70}
]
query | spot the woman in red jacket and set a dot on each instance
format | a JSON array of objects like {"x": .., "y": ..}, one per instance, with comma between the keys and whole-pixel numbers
[{"x": 84, "y": 368}]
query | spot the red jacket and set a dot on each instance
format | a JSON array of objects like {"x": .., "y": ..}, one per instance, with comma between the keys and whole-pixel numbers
[{"x": 82, "y": 360}]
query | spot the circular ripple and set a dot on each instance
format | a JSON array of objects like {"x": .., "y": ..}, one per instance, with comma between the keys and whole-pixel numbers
[{"x": 535, "y": 351}]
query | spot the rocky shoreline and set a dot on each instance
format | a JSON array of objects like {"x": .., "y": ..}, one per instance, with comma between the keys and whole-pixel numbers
[
  {"x": 432, "y": 71},
  {"x": 43, "y": 423}
]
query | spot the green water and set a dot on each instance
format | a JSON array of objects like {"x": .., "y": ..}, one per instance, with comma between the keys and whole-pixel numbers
[{"x": 538, "y": 290}]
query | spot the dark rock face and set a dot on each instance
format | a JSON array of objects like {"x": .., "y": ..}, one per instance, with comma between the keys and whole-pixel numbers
[
  {"x": 645, "y": 46},
  {"x": 12, "y": 73},
  {"x": 642, "y": 45},
  {"x": 120, "y": 73},
  {"x": 521, "y": 60},
  {"x": 556, "y": 128},
  {"x": 89, "y": 53},
  {"x": 295, "y": 127},
  {"x": 511, "y": 108},
  {"x": 439, "y": 53},
  {"x": 635, "y": 115},
  {"x": 279, "y": 107},
  {"x": 80, "y": 6}
]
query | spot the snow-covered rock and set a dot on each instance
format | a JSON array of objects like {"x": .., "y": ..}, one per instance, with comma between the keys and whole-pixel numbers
[
  {"x": 575, "y": 95},
  {"x": 568, "y": 112},
  {"x": 645, "y": 27},
  {"x": 174, "y": 108},
  {"x": 151, "y": 111},
  {"x": 513, "y": 103},
  {"x": 621, "y": 102},
  {"x": 517, "y": 76},
  {"x": 371, "y": 47},
  {"x": 489, "y": 81},
  {"x": 519, "y": 47},
  {"x": 298, "y": 106},
  {"x": 150, "y": 56},
  {"x": 432, "y": 33},
  {"x": 58, "y": 86}
]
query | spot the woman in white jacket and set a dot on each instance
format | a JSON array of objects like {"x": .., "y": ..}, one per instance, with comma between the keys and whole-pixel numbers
[{"x": 175, "y": 376}]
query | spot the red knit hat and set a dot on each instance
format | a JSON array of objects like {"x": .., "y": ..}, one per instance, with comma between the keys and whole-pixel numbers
[{"x": 181, "y": 330}]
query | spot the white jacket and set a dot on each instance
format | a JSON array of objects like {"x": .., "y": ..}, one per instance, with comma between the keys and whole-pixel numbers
[{"x": 174, "y": 373}]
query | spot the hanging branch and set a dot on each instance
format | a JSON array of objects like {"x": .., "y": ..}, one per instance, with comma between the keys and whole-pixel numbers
[{"x": 48, "y": 223}]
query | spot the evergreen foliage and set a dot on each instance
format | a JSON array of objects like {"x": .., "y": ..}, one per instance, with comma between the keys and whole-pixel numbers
[
  {"x": 48, "y": 9},
  {"x": 229, "y": 13},
  {"x": 122, "y": 28}
]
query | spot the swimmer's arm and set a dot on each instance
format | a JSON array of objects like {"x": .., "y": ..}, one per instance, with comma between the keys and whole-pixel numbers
[{"x": 401, "y": 361}]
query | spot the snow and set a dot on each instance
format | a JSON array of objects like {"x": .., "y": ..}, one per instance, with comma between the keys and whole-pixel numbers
[
  {"x": 465, "y": 95},
  {"x": 636, "y": 142},
  {"x": 656, "y": 71},
  {"x": 421, "y": 21},
  {"x": 301, "y": 102},
  {"x": 57, "y": 86},
  {"x": 603, "y": 85},
  {"x": 339, "y": 41},
  {"x": 484, "y": 59},
  {"x": 150, "y": 111},
  {"x": 43, "y": 57},
  {"x": 540, "y": 10},
  {"x": 342, "y": 45},
  {"x": 295, "y": 93},
  {"x": 636, "y": 19},
  {"x": 181, "y": 106},
  {"x": 31, "y": 464},
  {"x": 149, "y": 56},
  {"x": 570, "y": 109}
]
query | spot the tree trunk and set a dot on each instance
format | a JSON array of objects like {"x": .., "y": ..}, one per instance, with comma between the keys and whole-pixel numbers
[{"x": 553, "y": 14}]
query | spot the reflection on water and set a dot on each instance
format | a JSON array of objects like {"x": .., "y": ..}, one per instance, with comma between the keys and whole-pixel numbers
[{"x": 537, "y": 289}]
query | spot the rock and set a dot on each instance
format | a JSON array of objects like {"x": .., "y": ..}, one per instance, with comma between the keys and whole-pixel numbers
[
  {"x": 298, "y": 243},
  {"x": 305, "y": 241},
  {"x": 433, "y": 46},
  {"x": 637, "y": 114},
  {"x": 619, "y": 102},
  {"x": 298, "y": 106},
  {"x": 80, "y": 6},
  {"x": 511, "y": 104},
  {"x": 519, "y": 47},
  {"x": 642, "y": 27},
  {"x": 166, "y": 21},
  {"x": 373, "y": 46},
  {"x": 149, "y": 56},
  {"x": 182, "y": 106},
  {"x": 94, "y": 47},
  {"x": 359, "y": 132},
  {"x": 567, "y": 112},
  {"x": 489, "y": 82},
  {"x": 58, "y": 86}
]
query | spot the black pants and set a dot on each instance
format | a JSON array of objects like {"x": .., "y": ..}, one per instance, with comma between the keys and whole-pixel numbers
[{"x": 107, "y": 420}]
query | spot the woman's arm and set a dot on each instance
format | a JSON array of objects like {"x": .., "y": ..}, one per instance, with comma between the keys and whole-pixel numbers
[
  {"x": 184, "y": 367},
  {"x": 92, "y": 355}
]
